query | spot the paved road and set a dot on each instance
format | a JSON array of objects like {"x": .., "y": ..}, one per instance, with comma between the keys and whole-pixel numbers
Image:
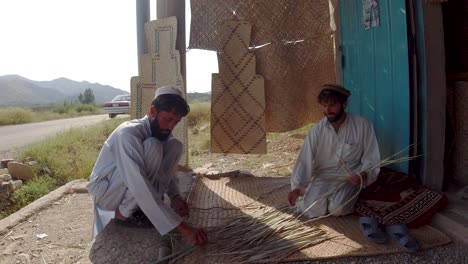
[{"x": 14, "y": 137}]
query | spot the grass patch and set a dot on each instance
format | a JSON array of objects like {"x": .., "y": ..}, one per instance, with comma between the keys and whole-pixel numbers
[
  {"x": 68, "y": 156},
  {"x": 35, "y": 189},
  {"x": 16, "y": 115},
  {"x": 198, "y": 122},
  {"x": 199, "y": 114}
]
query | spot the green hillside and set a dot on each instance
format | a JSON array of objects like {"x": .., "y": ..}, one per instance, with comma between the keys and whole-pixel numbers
[{"x": 19, "y": 91}]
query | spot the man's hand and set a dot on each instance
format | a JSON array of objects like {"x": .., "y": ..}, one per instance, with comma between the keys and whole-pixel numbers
[
  {"x": 196, "y": 235},
  {"x": 292, "y": 197},
  {"x": 180, "y": 206},
  {"x": 355, "y": 179}
]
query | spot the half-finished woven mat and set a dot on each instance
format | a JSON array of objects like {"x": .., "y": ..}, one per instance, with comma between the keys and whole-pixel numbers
[
  {"x": 299, "y": 59},
  {"x": 238, "y": 97},
  {"x": 213, "y": 202}
]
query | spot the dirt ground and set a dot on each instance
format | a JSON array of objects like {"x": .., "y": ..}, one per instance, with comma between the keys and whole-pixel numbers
[{"x": 61, "y": 233}]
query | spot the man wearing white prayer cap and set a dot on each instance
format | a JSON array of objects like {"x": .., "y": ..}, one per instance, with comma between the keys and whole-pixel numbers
[
  {"x": 137, "y": 166},
  {"x": 334, "y": 152}
]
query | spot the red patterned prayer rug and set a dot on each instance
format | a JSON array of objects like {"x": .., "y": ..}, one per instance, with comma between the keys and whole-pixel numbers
[{"x": 396, "y": 198}]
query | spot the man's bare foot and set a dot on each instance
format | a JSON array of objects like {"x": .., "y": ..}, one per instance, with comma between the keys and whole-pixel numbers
[{"x": 119, "y": 216}]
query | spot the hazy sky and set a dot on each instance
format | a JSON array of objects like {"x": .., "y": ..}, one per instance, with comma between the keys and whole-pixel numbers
[{"x": 92, "y": 40}]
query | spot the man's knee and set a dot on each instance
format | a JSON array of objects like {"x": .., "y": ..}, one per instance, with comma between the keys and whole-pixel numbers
[
  {"x": 341, "y": 205},
  {"x": 174, "y": 145},
  {"x": 152, "y": 145},
  {"x": 340, "y": 209}
]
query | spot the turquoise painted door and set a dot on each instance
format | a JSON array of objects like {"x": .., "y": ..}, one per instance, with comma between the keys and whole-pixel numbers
[{"x": 375, "y": 69}]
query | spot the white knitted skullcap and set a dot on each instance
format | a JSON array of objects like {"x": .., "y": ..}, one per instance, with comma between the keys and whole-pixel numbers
[{"x": 167, "y": 90}]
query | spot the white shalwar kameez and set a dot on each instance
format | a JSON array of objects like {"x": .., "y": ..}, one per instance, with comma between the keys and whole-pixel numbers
[
  {"x": 134, "y": 170},
  {"x": 321, "y": 157}
]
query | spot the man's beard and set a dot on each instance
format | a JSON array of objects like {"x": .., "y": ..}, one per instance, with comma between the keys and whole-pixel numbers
[
  {"x": 161, "y": 134},
  {"x": 337, "y": 116}
]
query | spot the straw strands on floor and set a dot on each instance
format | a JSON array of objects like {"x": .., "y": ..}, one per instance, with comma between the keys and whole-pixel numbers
[{"x": 268, "y": 232}]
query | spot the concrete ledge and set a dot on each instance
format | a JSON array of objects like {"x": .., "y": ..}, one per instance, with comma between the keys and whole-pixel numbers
[
  {"x": 456, "y": 230},
  {"x": 76, "y": 186}
]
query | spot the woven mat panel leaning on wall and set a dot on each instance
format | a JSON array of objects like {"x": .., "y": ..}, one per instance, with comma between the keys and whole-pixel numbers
[
  {"x": 159, "y": 67},
  {"x": 298, "y": 59},
  {"x": 238, "y": 98}
]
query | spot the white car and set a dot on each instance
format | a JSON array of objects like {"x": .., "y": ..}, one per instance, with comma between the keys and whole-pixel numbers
[{"x": 119, "y": 105}]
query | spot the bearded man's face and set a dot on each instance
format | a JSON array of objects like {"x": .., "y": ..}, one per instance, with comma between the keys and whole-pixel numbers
[{"x": 163, "y": 124}]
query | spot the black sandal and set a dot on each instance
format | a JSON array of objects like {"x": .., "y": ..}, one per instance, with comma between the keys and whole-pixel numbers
[{"x": 137, "y": 220}]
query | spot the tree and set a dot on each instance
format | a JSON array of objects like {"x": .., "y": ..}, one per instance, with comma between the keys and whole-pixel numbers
[{"x": 87, "y": 97}]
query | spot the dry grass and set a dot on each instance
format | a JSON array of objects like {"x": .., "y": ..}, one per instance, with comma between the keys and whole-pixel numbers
[{"x": 17, "y": 115}]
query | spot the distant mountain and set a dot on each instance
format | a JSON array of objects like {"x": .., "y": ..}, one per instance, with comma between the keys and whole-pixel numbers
[{"x": 16, "y": 90}]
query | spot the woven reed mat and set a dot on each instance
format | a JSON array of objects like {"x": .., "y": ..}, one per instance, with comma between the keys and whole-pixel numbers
[
  {"x": 238, "y": 98},
  {"x": 213, "y": 202},
  {"x": 138, "y": 92},
  {"x": 298, "y": 60}
]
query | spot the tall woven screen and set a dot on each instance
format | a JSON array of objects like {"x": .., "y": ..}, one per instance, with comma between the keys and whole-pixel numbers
[
  {"x": 297, "y": 61},
  {"x": 237, "y": 98},
  {"x": 159, "y": 67}
]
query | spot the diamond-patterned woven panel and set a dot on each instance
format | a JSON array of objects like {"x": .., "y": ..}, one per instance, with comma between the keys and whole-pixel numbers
[
  {"x": 231, "y": 70},
  {"x": 237, "y": 116},
  {"x": 292, "y": 84},
  {"x": 293, "y": 71},
  {"x": 238, "y": 98}
]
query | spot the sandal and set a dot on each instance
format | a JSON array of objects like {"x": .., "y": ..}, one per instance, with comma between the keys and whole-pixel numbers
[
  {"x": 400, "y": 235},
  {"x": 371, "y": 230}
]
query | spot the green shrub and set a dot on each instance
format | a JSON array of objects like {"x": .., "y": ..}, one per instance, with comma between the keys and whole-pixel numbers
[
  {"x": 36, "y": 188},
  {"x": 61, "y": 109},
  {"x": 86, "y": 108}
]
